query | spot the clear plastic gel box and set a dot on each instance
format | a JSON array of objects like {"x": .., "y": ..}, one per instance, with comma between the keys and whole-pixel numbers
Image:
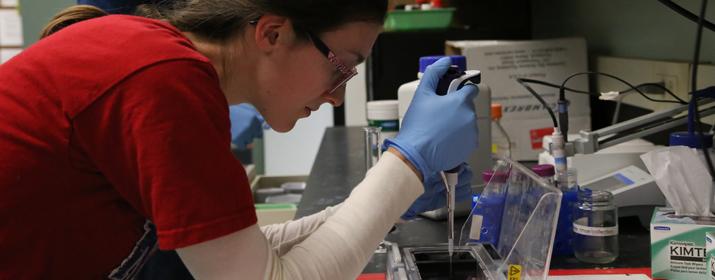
[{"x": 528, "y": 227}]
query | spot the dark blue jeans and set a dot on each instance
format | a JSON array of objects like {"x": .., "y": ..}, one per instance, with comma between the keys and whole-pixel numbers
[
  {"x": 164, "y": 265},
  {"x": 147, "y": 262},
  {"x": 140, "y": 254}
]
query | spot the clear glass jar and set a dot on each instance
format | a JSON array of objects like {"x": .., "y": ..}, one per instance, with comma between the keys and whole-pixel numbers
[
  {"x": 372, "y": 146},
  {"x": 595, "y": 227}
]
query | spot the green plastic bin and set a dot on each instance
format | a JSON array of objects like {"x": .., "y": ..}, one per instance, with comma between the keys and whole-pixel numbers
[
  {"x": 268, "y": 214},
  {"x": 418, "y": 19}
]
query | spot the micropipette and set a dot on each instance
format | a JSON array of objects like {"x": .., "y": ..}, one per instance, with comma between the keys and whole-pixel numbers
[
  {"x": 450, "y": 179},
  {"x": 453, "y": 80}
]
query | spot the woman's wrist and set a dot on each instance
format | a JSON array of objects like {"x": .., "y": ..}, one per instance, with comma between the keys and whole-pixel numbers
[{"x": 406, "y": 161}]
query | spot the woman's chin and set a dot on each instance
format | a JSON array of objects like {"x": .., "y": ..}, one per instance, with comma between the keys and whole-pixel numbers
[{"x": 284, "y": 126}]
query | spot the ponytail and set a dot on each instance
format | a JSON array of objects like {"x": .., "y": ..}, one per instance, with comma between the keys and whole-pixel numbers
[{"x": 71, "y": 16}]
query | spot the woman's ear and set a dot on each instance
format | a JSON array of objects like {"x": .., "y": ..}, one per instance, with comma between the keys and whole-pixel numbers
[{"x": 271, "y": 30}]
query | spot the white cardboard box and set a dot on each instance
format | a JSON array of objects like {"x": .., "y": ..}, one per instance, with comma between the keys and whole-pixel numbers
[
  {"x": 502, "y": 62},
  {"x": 10, "y": 28},
  {"x": 9, "y": 3},
  {"x": 7, "y": 54}
]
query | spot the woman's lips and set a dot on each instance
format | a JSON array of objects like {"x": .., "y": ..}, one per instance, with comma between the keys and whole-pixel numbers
[{"x": 307, "y": 110}]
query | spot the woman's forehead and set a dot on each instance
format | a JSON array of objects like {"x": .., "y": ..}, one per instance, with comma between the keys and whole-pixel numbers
[{"x": 353, "y": 40}]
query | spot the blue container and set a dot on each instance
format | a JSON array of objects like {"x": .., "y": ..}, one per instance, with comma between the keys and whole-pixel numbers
[
  {"x": 563, "y": 242},
  {"x": 458, "y": 60}
]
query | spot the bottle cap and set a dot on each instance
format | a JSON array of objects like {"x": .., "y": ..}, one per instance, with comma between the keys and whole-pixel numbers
[
  {"x": 544, "y": 170},
  {"x": 496, "y": 111},
  {"x": 458, "y": 60},
  {"x": 683, "y": 138},
  {"x": 382, "y": 110}
]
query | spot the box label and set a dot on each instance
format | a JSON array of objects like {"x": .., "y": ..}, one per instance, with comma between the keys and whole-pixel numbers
[
  {"x": 686, "y": 257},
  {"x": 502, "y": 62},
  {"x": 514, "y": 272},
  {"x": 475, "y": 232},
  {"x": 595, "y": 231},
  {"x": 537, "y": 137}
]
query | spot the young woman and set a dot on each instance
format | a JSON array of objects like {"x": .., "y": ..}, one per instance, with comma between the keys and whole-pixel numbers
[{"x": 115, "y": 141}]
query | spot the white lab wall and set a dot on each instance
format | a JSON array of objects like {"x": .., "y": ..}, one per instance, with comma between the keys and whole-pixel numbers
[
  {"x": 355, "y": 99},
  {"x": 293, "y": 153}
]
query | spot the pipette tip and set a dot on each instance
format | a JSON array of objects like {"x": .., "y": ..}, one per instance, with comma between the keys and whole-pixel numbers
[{"x": 450, "y": 246}]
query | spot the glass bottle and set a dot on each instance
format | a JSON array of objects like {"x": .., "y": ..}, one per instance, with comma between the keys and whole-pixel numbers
[
  {"x": 501, "y": 143},
  {"x": 595, "y": 227}
]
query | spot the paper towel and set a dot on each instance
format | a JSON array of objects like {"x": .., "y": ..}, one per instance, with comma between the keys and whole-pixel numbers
[{"x": 683, "y": 179}]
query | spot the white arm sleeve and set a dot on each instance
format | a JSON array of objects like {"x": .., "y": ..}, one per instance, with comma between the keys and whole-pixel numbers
[
  {"x": 339, "y": 248},
  {"x": 282, "y": 237}
]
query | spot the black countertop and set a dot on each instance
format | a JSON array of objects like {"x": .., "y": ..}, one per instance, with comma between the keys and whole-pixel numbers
[{"x": 340, "y": 166}]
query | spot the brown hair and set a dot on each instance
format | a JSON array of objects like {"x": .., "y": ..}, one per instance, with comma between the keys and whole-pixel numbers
[
  {"x": 70, "y": 16},
  {"x": 219, "y": 20}
]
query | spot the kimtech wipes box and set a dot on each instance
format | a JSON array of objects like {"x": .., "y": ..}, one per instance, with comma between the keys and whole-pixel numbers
[
  {"x": 710, "y": 253},
  {"x": 677, "y": 245}
]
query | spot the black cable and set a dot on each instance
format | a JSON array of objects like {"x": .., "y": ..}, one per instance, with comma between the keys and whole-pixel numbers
[
  {"x": 562, "y": 88},
  {"x": 661, "y": 86},
  {"x": 694, "y": 83},
  {"x": 682, "y": 11},
  {"x": 544, "y": 83},
  {"x": 541, "y": 100},
  {"x": 563, "y": 103}
]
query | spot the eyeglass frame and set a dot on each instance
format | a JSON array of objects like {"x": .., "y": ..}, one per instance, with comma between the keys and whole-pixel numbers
[{"x": 347, "y": 73}]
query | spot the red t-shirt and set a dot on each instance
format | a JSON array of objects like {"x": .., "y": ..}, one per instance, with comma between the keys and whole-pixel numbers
[{"x": 104, "y": 124}]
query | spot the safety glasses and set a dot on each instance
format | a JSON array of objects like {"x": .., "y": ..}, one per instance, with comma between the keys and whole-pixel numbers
[{"x": 345, "y": 73}]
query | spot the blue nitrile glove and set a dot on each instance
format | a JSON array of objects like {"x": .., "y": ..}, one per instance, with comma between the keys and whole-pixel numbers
[
  {"x": 438, "y": 132},
  {"x": 435, "y": 196},
  {"x": 246, "y": 124},
  {"x": 115, "y": 6}
]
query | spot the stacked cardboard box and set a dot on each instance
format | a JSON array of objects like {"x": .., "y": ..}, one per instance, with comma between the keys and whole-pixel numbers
[
  {"x": 524, "y": 118},
  {"x": 11, "y": 40}
]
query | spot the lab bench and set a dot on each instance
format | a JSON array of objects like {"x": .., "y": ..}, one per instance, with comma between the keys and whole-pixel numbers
[{"x": 340, "y": 166}]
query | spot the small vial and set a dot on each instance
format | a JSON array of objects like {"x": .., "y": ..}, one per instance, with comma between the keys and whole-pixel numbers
[
  {"x": 488, "y": 209},
  {"x": 559, "y": 154},
  {"x": 596, "y": 227},
  {"x": 563, "y": 242},
  {"x": 533, "y": 193},
  {"x": 545, "y": 171}
]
